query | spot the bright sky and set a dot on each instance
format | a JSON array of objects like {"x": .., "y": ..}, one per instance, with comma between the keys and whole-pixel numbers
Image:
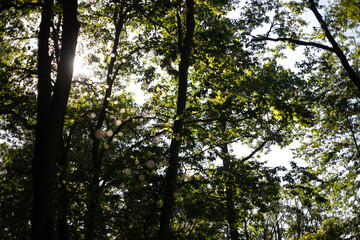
[{"x": 279, "y": 156}]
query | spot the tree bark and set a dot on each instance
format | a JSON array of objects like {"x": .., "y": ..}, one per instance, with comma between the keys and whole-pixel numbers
[
  {"x": 171, "y": 174},
  {"x": 247, "y": 236},
  {"x": 229, "y": 194},
  {"x": 278, "y": 230},
  {"x": 298, "y": 223},
  {"x": 337, "y": 50},
  {"x": 41, "y": 218},
  {"x": 63, "y": 228},
  {"x": 63, "y": 200},
  {"x": 50, "y": 114}
]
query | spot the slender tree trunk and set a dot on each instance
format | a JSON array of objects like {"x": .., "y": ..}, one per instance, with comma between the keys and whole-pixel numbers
[
  {"x": 265, "y": 230},
  {"x": 247, "y": 236},
  {"x": 298, "y": 223},
  {"x": 171, "y": 174},
  {"x": 63, "y": 200},
  {"x": 51, "y": 114},
  {"x": 95, "y": 190},
  {"x": 229, "y": 194},
  {"x": 278, "y": 230}
]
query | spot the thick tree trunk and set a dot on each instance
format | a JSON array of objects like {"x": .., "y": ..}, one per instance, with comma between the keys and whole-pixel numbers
[
  {"x": 229, "y": 194},
  {"x": 51, "y": 114},
  {"x": 171, "y": 174},
  {"x": 62, "y": 225},
  {"x": 41, "y": 219}
]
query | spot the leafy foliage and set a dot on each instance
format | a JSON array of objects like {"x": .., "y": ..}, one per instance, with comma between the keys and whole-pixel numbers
[{"x": 112, "y": 167}]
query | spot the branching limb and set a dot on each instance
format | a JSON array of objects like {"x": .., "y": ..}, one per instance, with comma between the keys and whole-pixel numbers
[
  {"x": 337, "y": 50},
  {"x": 146, "y": 15},
  {"x": 295, "y": 41},
  {"x": 22, "y": 6},
  {"x": 18, "y": 117},
  {"x": 256, "y": 150},
  {"x": 217, "y": 119},
  {"x": 260, "y": 147}
]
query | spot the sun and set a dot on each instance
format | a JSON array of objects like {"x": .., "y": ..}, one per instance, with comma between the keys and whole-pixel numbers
[{"x": 79, "y": 66}]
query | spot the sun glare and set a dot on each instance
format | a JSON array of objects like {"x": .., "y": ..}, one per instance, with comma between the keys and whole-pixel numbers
[{"x": 79, "y": 66}]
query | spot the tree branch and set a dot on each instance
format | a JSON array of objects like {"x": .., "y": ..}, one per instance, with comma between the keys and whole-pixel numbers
[
  {"x": 22, "y": 6},
  {"x": 20, "y": 118},
  {"x": 146, "y": 15},
  {"x": 256, "y": 150},
  {"x": 211, "y": 147},
  {"x": 295, "y": 41},
  {"x": 260, "y": 147},
  {"x": 10, "y": 68},
  {"x": 217, "y": 119},
  {"x": 336, "y": 49}
]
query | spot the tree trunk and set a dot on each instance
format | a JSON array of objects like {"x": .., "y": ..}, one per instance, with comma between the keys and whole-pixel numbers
[
  {"x": 41, "y": 219},
  {"x": 63, "y": 200},
  {"x": 171, "y": 174},
  {"x": 247, "y": 236},
  {"x": 278, "y": 230},
  {"x": 265, "y": 230},
  {"x": 229, "y": 194},
  {"x": 298, "y": 223},
  {"x": 95, "y": 191},
  {"x": 62, "y": 226},
  {"x": 50, "y": 114}
]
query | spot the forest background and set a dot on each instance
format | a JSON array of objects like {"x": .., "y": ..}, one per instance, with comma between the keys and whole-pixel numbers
[{"x": 81, "y": 159}]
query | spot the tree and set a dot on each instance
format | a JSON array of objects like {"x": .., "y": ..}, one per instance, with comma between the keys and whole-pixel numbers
[
  {"x": 107, "y": 167},
  {"x": 334, "y": 33},
  {"x": 119, "y": 17},
  {"x": 15, "y": 190},
  {"x": 330, "y": 145},
  {"x": 52, "y": 101},
  {"x": 185, "y": 47}
]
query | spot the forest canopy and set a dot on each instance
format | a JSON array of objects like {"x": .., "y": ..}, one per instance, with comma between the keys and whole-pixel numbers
[{"x": 81, "y": 158}]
